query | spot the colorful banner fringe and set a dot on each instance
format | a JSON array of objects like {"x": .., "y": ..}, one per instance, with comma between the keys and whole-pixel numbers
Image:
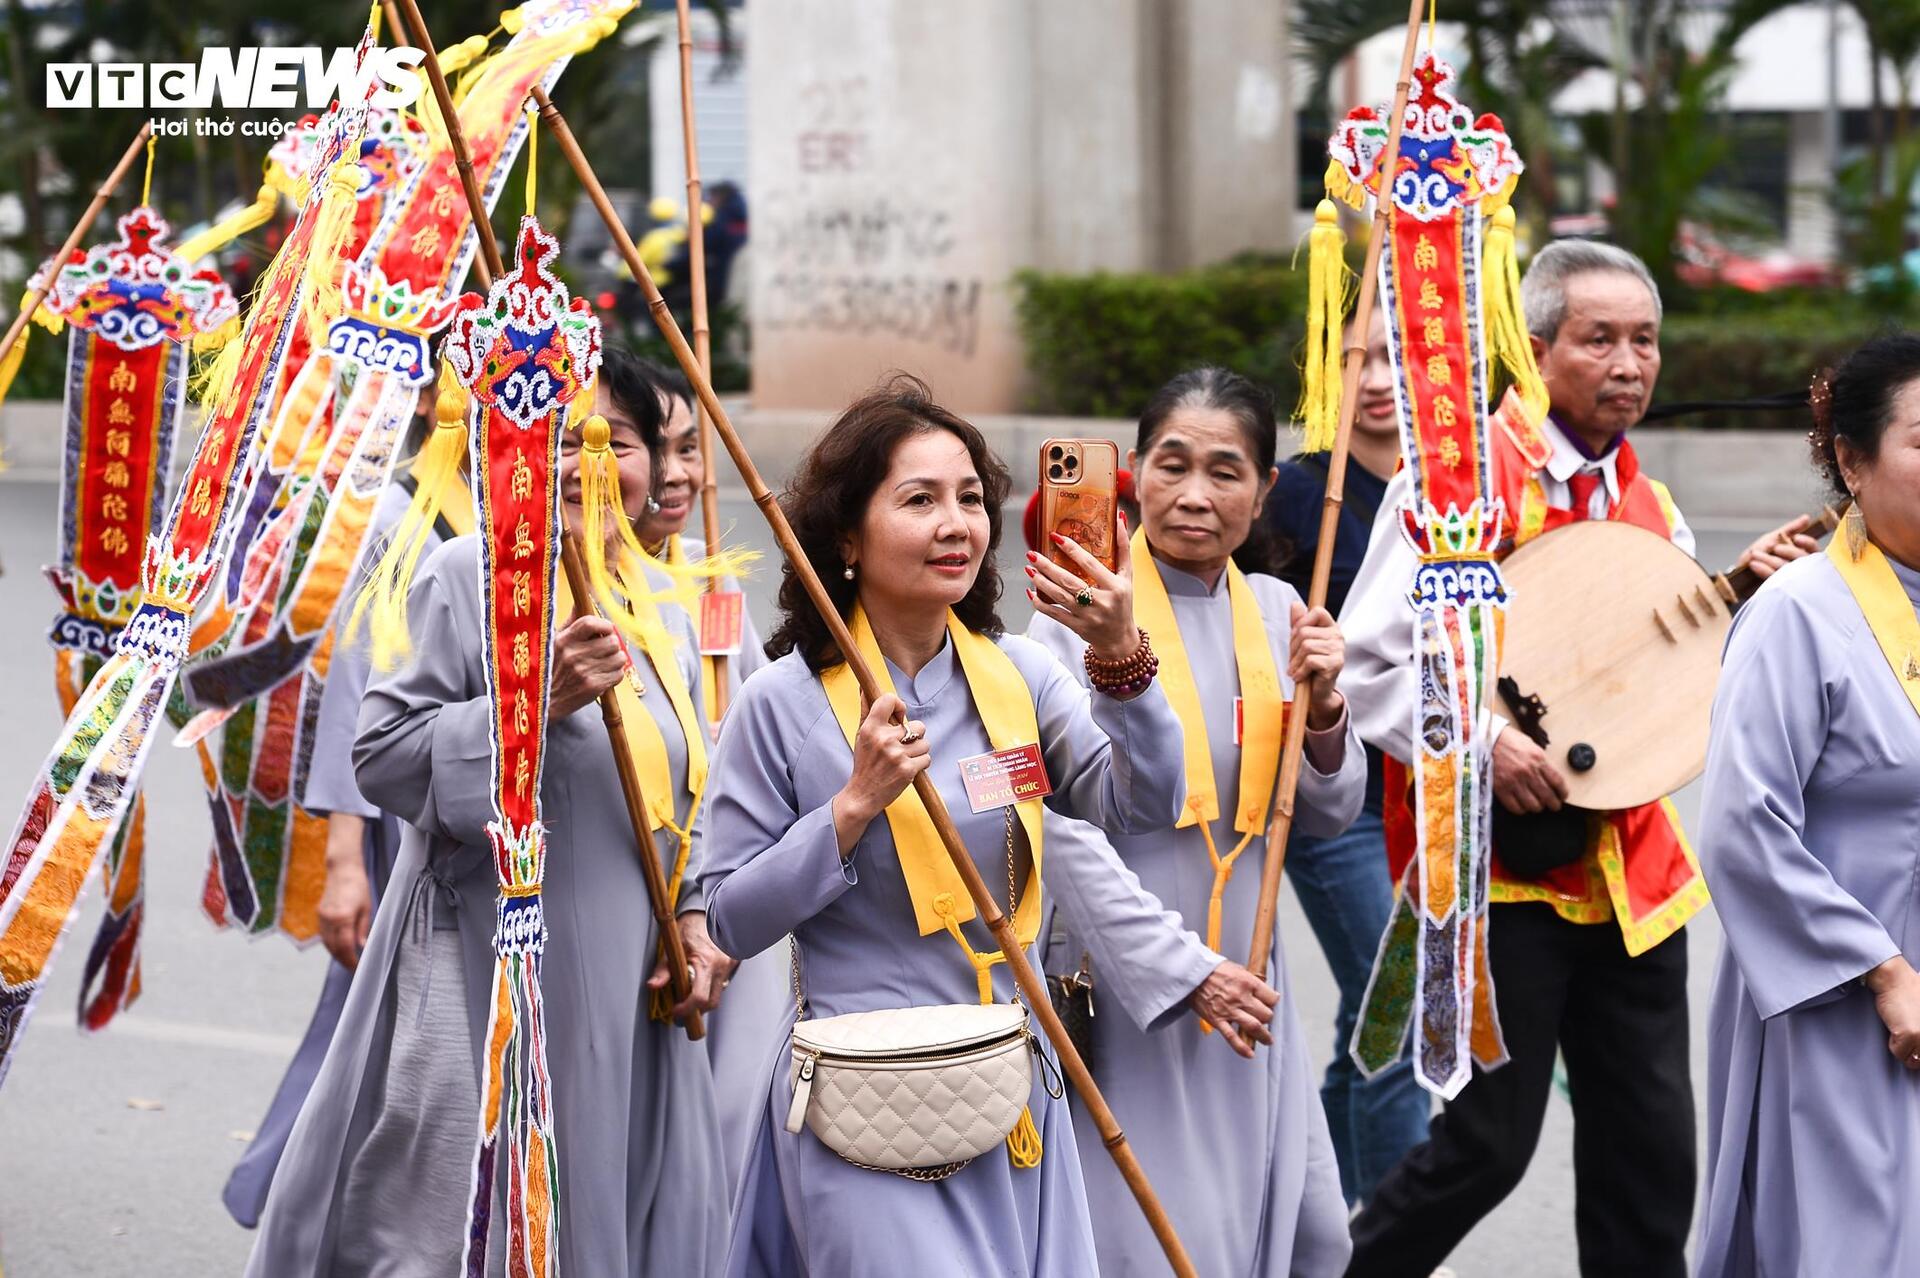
[
  {"x": 134, "y": 309},
  {"x": 1452, "y": 172},
  {"x": 264, "y": 666},
  {"x": 523, "y": 353},
  {"x": 86, "y": 787}
]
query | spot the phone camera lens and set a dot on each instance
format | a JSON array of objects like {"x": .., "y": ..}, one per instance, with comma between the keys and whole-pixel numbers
[
  {"x": 1054, "y": 471},
  {"x": 1055, "y": 452}
]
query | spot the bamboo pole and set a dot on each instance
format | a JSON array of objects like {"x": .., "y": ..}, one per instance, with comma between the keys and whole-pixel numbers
[
  {"x": 630, "y": 789},
  {"x": 491, "y": 268},
  {"x": 1031, "y": 985},
  {"x": 1293, "y": 746},
  {"x": 702, "y": 336},
  {"x": 35, "y": 296}
]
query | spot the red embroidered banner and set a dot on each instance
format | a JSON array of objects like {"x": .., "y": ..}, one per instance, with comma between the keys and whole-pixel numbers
[{"x": 523, "y": 352}]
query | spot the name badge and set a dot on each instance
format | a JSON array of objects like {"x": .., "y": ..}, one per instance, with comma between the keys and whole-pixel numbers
[
  {"x": 1000, "y": 777},
  {"x": 722, "y": 622}
]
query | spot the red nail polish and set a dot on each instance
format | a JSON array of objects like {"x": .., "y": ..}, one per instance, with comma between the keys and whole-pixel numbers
[
  {"x": 1029, "y": 572},
  {"x": 1058, "y": 540}
]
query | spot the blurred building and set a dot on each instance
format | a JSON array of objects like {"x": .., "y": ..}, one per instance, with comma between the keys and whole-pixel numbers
[
  {"x": 906, "y": 159},
  {"x": 1796, "y": 106}
]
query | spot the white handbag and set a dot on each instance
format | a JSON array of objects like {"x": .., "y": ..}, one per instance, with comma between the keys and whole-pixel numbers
[{"x": 917, "y": 1091}]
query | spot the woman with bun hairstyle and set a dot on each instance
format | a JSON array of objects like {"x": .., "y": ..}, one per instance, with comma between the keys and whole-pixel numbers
[{"x": 1808, "y": 824}]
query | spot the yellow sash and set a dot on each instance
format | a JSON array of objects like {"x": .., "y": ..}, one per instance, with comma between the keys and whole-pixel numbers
[
  {"x": 676, "y": 553},
  {"x": 644, "y": 741},
  {"x": 940, "y": 899},
  {"x": 1885, "y": 604},
  {"x": 1005, "y": 705},
  {"x": 1262, "y": 705}
]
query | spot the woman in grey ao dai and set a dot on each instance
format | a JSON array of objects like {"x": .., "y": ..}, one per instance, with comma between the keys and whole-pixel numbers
[
  {"x": 898, "y": 508},
  {"x": 378, "y": 1171},
  {"x": 1810, "y": 841},
  {"x": 1239, "y": 1148}
]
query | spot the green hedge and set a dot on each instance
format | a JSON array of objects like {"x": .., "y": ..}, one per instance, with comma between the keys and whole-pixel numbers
[{"x": 1100, "y": 345}]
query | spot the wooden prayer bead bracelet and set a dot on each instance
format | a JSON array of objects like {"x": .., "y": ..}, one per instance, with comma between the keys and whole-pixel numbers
[{"x": 1127, "y": 677}]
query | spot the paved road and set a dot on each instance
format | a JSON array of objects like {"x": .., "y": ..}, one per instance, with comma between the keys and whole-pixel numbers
[{"x": 113, "y": 1148}]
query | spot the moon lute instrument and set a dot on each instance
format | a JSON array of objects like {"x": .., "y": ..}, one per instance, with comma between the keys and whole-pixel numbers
[{"x": 1617, "y": 683}]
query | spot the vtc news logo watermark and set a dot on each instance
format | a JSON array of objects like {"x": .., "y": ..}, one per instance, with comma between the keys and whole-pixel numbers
[{"x": 243, "y": 78}]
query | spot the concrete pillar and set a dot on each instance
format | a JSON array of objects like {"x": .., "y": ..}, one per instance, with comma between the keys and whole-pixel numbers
[
  {"x": 1227, "y": 140},
  {"x": 891, "y": 153},
  {"x": 907, "y": 159},
  {"x": 1812, "y": 230}
]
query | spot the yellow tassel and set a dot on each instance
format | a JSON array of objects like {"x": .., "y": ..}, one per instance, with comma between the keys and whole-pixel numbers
[
  {"x": 383, "y": 604},
  {"x": 602, "y": 509},
  {"x": 1327, "y": 275},
  {"x": 10, "y": 366},
  {"x": 1023, "y": 1143},
  {"x": 462, "y": 55},
  {"x": 215, "y": 380},
  {"x": 322, "y": 302},
  {"x": 215, "y": 339},
  {"x": 1506, "y": 323},
  {"x": 43, "y": 315},
  {"x": 230, "y": 228},
  {"x": 1342, "y": 188}
]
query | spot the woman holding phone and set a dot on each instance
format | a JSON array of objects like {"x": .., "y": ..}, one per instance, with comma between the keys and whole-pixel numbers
[
  {"x": 1239, "y": 1150},
  {"x": 815, "y": 831}
]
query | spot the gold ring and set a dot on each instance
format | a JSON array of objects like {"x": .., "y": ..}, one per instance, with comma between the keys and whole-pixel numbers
[
  {"x": 1085, "y": 597},
  {"x": 909, "y": 737}
]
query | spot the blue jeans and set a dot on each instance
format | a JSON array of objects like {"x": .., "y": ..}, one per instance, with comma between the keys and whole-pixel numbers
[{"x": 1347, "y": 894}]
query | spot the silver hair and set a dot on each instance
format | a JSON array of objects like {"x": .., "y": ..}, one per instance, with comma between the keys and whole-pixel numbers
[{"x": 1543, "y": 290}]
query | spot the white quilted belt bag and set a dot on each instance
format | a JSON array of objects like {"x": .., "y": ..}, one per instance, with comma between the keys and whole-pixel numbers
[{"x": 918, "y": 1091}]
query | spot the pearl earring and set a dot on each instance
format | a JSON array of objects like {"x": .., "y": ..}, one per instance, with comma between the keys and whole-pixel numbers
[{"x": 847, "y": 572}]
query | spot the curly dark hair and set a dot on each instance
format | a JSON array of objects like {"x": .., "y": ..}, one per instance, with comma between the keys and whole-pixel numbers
[
  {"x": 1855, "y": 401},
  {"x": 827, "y": 498},
  {"x": 1251, "y": 407}
]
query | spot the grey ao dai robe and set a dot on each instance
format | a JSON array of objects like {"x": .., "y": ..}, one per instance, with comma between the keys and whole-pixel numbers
[
  {"x": 330, "y": 788},
  {"x": 1238, "y": 1149},
  {"x": 750, "y": 1023},
  {"x": 1810, "y": 840},
  {"x": 642, "y": 1188},
  {"x": 774, "y": 868}
]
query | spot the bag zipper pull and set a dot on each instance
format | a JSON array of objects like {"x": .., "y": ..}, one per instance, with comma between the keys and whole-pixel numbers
[{"x": 802, "y": 1093}]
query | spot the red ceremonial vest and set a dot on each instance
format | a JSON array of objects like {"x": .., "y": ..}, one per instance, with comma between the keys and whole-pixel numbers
[{"x": 1638, "y": 867}]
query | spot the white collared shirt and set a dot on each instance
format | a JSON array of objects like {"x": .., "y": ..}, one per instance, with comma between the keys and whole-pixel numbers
[{"x": 1379, "y": 680}]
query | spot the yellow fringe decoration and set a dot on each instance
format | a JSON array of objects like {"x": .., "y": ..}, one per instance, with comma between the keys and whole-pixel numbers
[
  {"x": 1023, "y": 1143},
  {"x": 214, "y": 339},
  {"x": 1327, "y": 276},
  {"x": 214, "y": 380},
  {"x": 10, "y": 366},
  {"x": 601, "y": 509},
  {"x": 1506, "y": 323},
  {"x": 322, "y": 301},
  {"x": 232, "y": 227},
  {"x": 383, "y": 603},
  {"x": 1343, "y": 188}
]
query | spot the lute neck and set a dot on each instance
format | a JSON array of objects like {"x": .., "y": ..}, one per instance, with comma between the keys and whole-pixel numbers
[{"x": 1736, "y": 585}]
